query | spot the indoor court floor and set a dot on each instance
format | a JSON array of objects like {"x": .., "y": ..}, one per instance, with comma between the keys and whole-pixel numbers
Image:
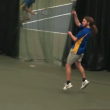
[{"x": 41, "y": 87}]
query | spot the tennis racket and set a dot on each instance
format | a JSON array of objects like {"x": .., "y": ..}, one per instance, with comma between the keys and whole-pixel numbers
[{"x": 46, "y": 11}]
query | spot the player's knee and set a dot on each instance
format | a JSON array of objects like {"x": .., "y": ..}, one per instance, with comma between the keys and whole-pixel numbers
[
  {"x": 67, "y": 65},
  {"x": 78, "y": 64}
]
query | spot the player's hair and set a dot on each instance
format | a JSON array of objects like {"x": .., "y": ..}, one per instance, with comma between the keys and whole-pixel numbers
[{"x": 92, "y": 25}]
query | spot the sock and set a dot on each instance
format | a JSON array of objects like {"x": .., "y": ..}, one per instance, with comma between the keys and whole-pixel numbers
[
  {"x": 68, "y": 82},
  {"x": 83, "y": 79}
]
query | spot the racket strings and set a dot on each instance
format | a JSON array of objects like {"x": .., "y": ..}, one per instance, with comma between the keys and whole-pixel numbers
[{"x": 46, "y": 11}]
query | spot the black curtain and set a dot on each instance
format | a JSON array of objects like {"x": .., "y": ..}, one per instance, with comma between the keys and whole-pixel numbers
[
  {"x": 97, "y": 54},
  {"x": 9, "y": 27}
]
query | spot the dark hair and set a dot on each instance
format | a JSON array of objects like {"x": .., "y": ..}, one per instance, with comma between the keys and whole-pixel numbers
[{"x": 92, "y": 25}]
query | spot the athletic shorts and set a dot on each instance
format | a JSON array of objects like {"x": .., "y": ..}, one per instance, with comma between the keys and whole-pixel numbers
[
  {"x": 72, "y": 58},
  {"x": 24, "y": 14}
]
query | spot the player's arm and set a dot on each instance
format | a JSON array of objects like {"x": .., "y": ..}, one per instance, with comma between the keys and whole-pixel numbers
[
  {"x": 30, "y": 11},
  {"x": 73, "y": 37},
  {"x": 78, "y": 36},
  {"x": 76, "y": 19}
]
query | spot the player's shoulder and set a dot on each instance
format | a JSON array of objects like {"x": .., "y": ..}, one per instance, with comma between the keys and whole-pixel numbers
[{"x": 85, "y": 31}]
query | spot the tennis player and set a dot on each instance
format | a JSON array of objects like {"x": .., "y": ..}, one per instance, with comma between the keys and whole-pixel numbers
[
  {"x": 27, "y": 6},
  {"x": 87, "y": 27}
]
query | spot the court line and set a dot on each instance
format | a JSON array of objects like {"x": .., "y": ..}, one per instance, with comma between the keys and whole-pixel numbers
[
  {"x": 44, "y": 31},
  {"x": 54, "y": 6},
  {"x": 46, "y": 18}
]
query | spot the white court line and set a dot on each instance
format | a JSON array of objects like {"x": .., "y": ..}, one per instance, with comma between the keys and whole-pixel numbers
[
  {"x": 53, "y": 6},
  {"x": 44, "y": 31},
  {"x": 46, "y": 18}
]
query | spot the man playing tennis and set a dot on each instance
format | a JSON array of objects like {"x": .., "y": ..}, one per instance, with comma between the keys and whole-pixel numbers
[
  {"x": 77, "y": 51},
  {"x": 27, "y": 7}
]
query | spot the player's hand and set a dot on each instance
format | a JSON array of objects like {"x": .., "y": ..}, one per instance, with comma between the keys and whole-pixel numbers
[
  {"x": 32, "y": 13},
  {"x": 69, "y": 33},
  {"x": 74, "y": 12}
]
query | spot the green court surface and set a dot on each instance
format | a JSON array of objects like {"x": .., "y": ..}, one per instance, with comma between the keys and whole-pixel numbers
[{"x": 41, "y": 87}]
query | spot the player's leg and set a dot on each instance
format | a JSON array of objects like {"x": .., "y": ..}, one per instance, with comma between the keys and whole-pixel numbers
[
  {"x": 70, "y": 60},
  {"x": 26, "y": 17},
  {"x": 85, "y": 82}
]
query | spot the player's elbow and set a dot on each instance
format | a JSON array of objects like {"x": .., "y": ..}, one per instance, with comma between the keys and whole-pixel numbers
[
  {"x": 78, "y": 24},
  {"x": 75, "y": 39}
]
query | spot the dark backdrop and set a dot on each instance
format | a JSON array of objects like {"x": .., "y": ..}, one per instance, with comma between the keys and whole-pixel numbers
[
  {"x": 97, "y": 54},
  {"x": 9, "y": 30}
]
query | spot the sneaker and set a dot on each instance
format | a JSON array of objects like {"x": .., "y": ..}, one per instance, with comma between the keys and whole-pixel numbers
[
  {"x": 67, "y": 86},
  {"x": 84, "y": 84}
]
